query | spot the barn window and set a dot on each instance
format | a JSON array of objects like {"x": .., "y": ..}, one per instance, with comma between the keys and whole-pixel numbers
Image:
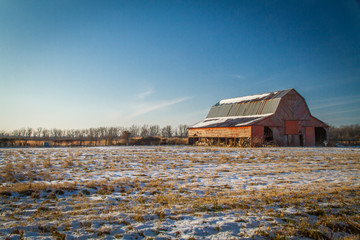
[{"x": 268, "y": 134}]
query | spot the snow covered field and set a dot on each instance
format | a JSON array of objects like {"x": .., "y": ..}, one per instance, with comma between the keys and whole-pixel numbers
[{"x": 180, "y": 193}]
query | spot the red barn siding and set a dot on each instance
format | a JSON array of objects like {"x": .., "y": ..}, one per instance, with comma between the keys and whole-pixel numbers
[
  {"x": 293, "y": 107},
  {"x": 257, "y": 134},
  {"x": 310, "y": 136},
  {"x": 291, "y": 127}
]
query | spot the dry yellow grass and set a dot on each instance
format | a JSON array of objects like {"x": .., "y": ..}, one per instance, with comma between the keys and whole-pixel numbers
[{"x": 160, "y": 183}]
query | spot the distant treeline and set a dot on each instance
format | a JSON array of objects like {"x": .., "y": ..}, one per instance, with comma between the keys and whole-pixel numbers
[
  {"x": 345, "y": 135},
  {"x": 98, "y": 133}
]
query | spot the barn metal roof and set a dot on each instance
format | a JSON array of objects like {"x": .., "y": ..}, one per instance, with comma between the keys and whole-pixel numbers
[
  {"x": 242, "y": 111},
  {"x": 259, "y": 104}
]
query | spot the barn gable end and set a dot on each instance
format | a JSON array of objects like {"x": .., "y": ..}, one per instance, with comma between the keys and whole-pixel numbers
[{"x": 280, "y": 118}]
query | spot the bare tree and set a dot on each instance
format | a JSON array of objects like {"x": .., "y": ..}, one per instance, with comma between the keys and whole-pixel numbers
[
  {"x": 102, "y": 132},
  {"x": 56, "y": 133},
  {"x": 182, "y": 130},
  {"x": 167, "y": 131},
  {"x": 45, "y": 133},
  {"x": 39, "y": 131},
  {"x": 22, "y": 132},
  {"x": 121, "y": 130},
  {"x": 29, "y": 132},
  {"x": 77, "y": 133},
  {"x": 134, "y": 130},
  {"x": 69, "y": 133},
  {"x": 15, "y": 133},
  {"x": 92, "y": 133},
  {"x": 348, "y": 133},
  {"x": 175, "y": 132},
  {"x": 154, "y": 130},
  {"x": 112, "y": 132},
  {"x": 144, "y": 131},
  {"x": 84, "y": 133},
  {"x": 96, "y": 133}
]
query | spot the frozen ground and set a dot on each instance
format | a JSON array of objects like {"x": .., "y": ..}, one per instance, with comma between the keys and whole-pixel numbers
[{"x": 180, "y": 193}]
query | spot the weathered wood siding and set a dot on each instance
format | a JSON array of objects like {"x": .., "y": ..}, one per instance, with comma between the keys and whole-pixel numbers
[
  {"x": 309, "y": 136},
  {"x": 292, "y": 107},
  {"x": 291, "y": 127},
  {"x": 223, "y": 132},
  {"x": 291, "y": 121},
  {"x": 257, "y": 135}
]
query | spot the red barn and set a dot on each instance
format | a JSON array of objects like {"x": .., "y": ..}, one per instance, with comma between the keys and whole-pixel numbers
[{"x": 278, "y": 118}]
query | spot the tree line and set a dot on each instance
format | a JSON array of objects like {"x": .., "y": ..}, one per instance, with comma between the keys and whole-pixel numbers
[
  {"x": 99, "y": 133},
  {"x": 349, "y": 134},
  {"x": 344, "y": 134}
]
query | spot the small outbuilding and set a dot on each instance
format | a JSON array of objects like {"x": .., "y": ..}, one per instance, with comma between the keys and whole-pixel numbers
[{"x": 280, "y": 118}]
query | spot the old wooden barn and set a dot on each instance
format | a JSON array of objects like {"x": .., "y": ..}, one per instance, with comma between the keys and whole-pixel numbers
[{"x": 279, "y": 118}]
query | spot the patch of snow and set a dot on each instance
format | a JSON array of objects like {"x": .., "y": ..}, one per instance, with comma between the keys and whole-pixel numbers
[
  {"x": 244, "y": 99},
  {"x": 191, "y": 172}
]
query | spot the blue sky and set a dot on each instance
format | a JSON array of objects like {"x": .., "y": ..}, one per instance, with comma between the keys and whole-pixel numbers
[{"x": 80, "y": 64}]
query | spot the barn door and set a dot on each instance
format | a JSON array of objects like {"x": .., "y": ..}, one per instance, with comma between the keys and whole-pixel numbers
[
  {"x": 320, "y": 136},
  {"x": 291, "y": 127},
  {"x": 292, "y": 133}
]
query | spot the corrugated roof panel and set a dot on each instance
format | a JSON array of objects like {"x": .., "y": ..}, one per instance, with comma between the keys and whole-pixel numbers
[
  {"x": 270, "y": 106},
  {"x": 261, "y": 107},
  {"x": 213, "y": 112},
  {"x": 252, "y": 108},
  {"x": 250, "y": 105},
  {"x": 247, "y": 107},
  {"x": 241, "y": 110},
  {"x": 234, "y": 109},
  {"x": 224, "y": 110},
  {"x": 244, "y": 109}
]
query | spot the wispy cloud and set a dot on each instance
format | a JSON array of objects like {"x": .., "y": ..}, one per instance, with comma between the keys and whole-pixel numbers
[
  {"x": 145, "y": 94},
  {"x": 237, "y": 76},
  {"x": 337, "y": 101},
  {"x": 155, "y": 106},
  {"x": 331, "y": 113}
]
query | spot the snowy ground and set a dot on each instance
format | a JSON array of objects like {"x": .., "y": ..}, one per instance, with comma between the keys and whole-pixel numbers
[{"x": 180, "y": 193}]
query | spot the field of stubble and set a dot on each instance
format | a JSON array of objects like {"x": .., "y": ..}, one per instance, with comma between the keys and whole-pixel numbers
[{"x": 180, "y": 193}]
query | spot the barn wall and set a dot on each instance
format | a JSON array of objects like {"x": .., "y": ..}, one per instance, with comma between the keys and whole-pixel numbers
[
  {"x": 310, "y": 136},
  {"x": 257, "y": 135},
  {"x": 291, "y": 127},
  {"x": 292, "y": 123},
  {"x": 293, "y": 140},
  {"x": 279, "y": 136},
  {"x": 292, "y": 107},
  {"x": 226, "y": 132}
]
